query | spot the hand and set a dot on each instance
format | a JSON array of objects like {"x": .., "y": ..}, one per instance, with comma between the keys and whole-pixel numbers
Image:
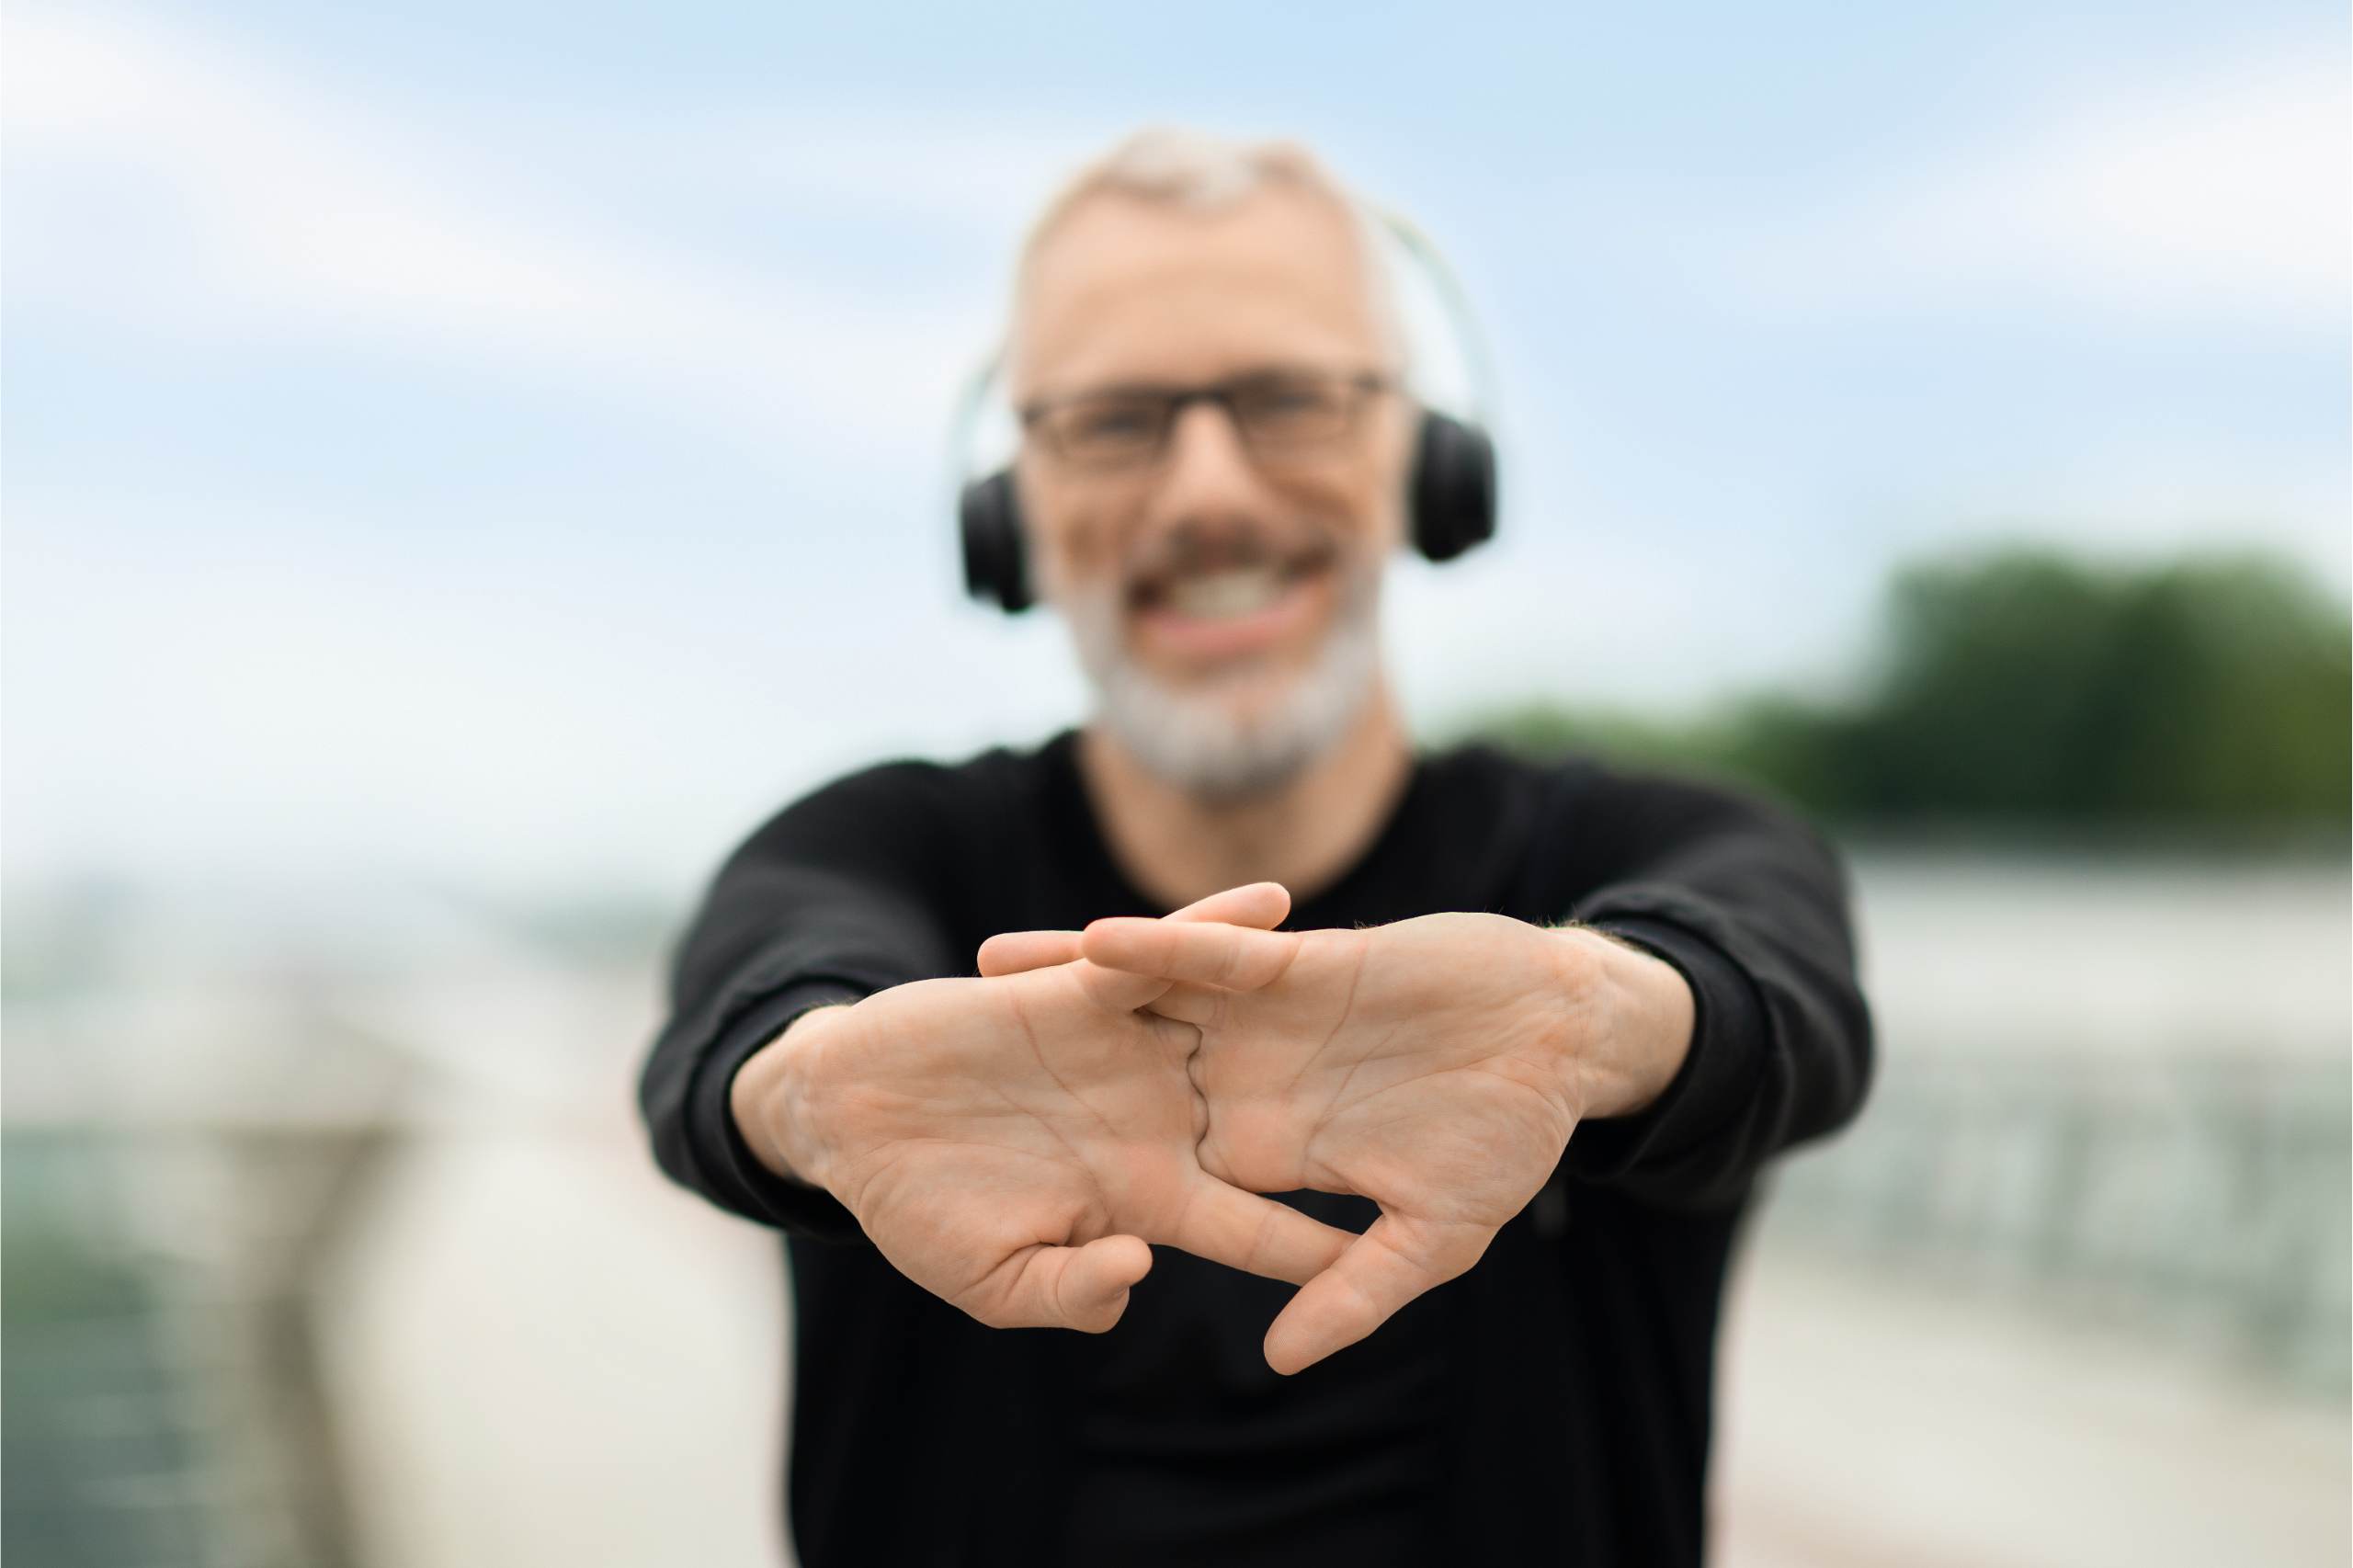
[
  {"x": 1011, "y": 1143},
  {"x": 1437, "y": 1066}
]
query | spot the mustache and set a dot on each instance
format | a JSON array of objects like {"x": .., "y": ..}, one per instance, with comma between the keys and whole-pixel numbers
[{"x": 1189, "y": 549}]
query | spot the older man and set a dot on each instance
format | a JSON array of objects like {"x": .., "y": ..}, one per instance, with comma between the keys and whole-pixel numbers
[{"x": 1531, "y": 1029}]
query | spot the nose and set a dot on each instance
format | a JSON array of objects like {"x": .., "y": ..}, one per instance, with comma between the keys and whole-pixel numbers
[{"x": 1207, "y": 478}]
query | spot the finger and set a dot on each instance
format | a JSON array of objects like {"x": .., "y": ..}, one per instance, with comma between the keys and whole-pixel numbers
[
  {"x": 1117, "y": 991},
  {"x": 1180, "y": 1041},
  {"x": 1232, "y": 957},
  {"x": 1203, "y": 1006},
  {"x": 1085, "y": 1287},
  {"x": 1011, "y": 952},
  {"x": 1260, "y": 904},
  {"x": 1387, "y": 1267},
  {"x": 1257, "y": 1235}
]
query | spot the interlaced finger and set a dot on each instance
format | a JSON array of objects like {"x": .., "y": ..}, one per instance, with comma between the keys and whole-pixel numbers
[
  {"x": 1391, "y": 1263},
  {"x": 1234, "y": 958},
  {"x": 1117, "y": 991},
  {"x": 1259, "y": 904},
  {"x": 1203, "y": 1006},
  {"x": 1245, "y": 1230},
  {"x": 1013, "y": 952}
]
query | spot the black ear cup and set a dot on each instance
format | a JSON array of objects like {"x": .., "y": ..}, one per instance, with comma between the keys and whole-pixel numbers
[
  {"x": 1452, "y": 496},
  {"x": 995, "y": 569}
]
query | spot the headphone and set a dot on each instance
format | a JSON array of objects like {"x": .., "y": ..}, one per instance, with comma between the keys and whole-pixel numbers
[{"x": 1450, "y": 494}]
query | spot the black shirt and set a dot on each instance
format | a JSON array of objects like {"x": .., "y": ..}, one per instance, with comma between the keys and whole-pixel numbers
[{"x": 1551, "y": 1406}]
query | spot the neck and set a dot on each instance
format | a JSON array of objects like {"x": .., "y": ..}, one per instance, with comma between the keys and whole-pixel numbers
[{"x": 1304, "y": 834}]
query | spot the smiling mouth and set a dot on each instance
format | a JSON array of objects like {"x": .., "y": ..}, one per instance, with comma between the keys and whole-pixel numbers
[{"x": 1228, "y": 592}]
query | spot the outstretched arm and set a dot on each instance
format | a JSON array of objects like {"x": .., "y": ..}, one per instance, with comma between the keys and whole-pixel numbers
[
  {"x": 1704, "y": 1016},
  {"x": 1750, "y": 906},
  {"x": 833, "y": 900}
]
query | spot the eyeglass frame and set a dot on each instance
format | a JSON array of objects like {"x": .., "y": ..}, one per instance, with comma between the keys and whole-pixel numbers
[{"x": 1361, "y": 385}]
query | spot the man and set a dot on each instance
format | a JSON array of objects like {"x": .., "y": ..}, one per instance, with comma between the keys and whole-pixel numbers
[{"x": 1017, "y": 1044}]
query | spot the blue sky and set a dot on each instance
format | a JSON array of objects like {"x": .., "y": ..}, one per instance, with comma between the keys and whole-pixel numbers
[{"x": 505, "y": 444}]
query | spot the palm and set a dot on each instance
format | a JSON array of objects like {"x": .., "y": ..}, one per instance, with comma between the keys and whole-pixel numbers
[
  {"x": 1009, "y": 1143},
  {"x": 1361, "y": 1072}
]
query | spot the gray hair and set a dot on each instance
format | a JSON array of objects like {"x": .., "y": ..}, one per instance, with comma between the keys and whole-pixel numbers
[{"x": 1204, "y": 171}]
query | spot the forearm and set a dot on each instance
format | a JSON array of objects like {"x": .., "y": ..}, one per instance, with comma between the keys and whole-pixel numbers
[
  {"x": 689, "y": 1094},
  {"x": 1780, "y": 1043}
]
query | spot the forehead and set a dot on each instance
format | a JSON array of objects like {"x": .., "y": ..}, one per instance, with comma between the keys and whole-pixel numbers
[{"x": 1124, "y": 289}]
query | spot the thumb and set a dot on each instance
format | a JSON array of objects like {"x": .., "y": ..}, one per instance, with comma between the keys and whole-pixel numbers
[
  {"x": 1391, "y": 1263},
  {"x": 1085, "y": 1287}
]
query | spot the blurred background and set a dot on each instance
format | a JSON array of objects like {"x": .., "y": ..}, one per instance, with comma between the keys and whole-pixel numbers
[{"x": 465, "y": 465}]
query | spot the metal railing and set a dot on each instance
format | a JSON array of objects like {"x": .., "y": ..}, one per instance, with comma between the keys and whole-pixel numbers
[{"x": 2210, "y": 1199}]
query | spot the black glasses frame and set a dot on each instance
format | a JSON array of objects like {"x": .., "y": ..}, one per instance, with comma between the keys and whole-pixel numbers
[{"x": 1168, "y": 401}]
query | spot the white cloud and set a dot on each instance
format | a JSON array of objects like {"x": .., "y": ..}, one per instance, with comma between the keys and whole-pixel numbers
[
  {"x": 2218, "y": 198},
  {"x": 2118, "y": 495},
  {"x": 323, "y": 699},
  {"x": 982, "y": 178},
  {"x": 161, "y": 181}
]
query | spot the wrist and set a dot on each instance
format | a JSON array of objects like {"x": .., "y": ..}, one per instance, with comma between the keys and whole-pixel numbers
[
  {"x": 1631, "y": 1015},
  {"x": 771, "y": 1101}
]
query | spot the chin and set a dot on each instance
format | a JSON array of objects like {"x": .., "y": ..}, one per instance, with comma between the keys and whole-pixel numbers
[
  {"x": 1232, "y": 736},
  {"x": 1250, "y": 690}
]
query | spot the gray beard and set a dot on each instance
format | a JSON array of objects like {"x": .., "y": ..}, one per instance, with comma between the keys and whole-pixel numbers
[{"x": 1194, "y": 741}]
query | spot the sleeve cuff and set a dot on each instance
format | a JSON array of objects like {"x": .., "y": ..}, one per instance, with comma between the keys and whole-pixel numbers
[
  {"x": 739, "y": 1179},
  {"x": 1718, "y": 1077}
]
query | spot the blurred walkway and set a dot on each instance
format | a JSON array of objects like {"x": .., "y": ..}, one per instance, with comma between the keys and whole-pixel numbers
[
  {"x": 1865, "y": 1421},
  {"x": 583, "y": 1370},
  {"x": 527, "y": 1348}
]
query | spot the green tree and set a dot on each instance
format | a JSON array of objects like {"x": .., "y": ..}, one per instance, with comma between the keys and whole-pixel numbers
[{"x": 2024, "y": 688}]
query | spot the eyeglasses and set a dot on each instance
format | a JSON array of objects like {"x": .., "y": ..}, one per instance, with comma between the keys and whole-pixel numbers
[{"x": 1279, "y": 413}]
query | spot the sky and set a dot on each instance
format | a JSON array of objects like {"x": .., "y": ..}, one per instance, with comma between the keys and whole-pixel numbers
[{"x": 509, "y": 446}]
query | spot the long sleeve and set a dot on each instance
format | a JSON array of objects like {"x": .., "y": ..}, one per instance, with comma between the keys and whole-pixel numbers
[
  {"x": 1750, "y": 906},
  {"x": 844, "y": 893}
]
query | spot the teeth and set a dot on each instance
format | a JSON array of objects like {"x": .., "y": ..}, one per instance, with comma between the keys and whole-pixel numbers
[{"x": 1214, "y": 596}]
